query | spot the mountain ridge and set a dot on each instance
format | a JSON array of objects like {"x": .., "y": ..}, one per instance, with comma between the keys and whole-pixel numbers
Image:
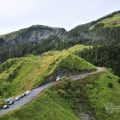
[{"x": 38, "y": 39}]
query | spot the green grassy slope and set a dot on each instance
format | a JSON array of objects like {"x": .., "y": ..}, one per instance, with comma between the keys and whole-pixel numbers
[
  {"x": 110, "y": 21},
  {"x": 20, "y": 74},
  {"x": 49, "y": 106},
  {"x": 103, "y": 30},
  {"x": 113, "y": 21},
  {"x": 101, "y": 94},
  {"x": 94, "y": 95},
  {"x": 60, "y": 102}
]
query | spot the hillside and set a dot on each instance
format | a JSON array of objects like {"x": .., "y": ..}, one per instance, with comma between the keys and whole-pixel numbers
[
  {"x": 104, "y": 35},
  {"x": 31, "y": 34},
  {"x": 35, "y": 39},
  {"x": 20, "y": 74},
  {"x": 30, "y": 40},
  {"x": 91, "y": 99},
  {"x": 103, "y": 30},
  {"x": 37, "y": 55},
  {"x": 105, "y": 55}
]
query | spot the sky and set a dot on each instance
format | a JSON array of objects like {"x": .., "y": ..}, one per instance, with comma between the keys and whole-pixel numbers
[{"x": 17, "y": 14}]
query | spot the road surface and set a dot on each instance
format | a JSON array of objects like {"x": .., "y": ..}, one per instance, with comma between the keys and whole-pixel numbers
[{"x": 34, "y": 93}]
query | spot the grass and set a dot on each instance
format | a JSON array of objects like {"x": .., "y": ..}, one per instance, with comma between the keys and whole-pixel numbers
[
  {"x": 100, "y": 95},
  {"x": 112, "y": 21},
  {"x": 75, "y": 62},
  {"x": 20, "y": 74},
  {"x": 93, "y": 95},
  {"x": 65, "y": 100},
  {"x": 49, "y": 106}
]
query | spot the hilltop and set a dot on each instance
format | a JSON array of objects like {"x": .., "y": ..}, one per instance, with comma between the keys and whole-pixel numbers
[{"x": 103, "y": 30}]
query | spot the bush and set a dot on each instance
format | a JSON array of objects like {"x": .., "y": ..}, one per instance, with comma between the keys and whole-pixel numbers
[
  {"x": 61, "y": 92},
  {"x": 1, "y": 103},
  {"x": 119, "y": 80},
  {"x": 110, "y": 85}
]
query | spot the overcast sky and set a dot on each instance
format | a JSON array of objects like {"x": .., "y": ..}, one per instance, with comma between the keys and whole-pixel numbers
[{"x": 17, "y": 14}]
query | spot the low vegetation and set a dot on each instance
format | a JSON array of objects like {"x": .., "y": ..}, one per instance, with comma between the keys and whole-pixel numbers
[
  {"x": 112, "y": 21},
  {"x": 105, "y": 55},
  {"x": 91, "y": 97},
  {"x": 48, "y": 106},
  {"x": 20, "y": 74},
  {"x": 97, "y": 96}
]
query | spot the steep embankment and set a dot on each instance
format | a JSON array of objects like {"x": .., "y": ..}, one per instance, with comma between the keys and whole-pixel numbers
[{"x": 20, "y": 74}]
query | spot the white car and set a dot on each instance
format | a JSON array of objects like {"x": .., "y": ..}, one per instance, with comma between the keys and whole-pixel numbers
[
  {"x": 5, "y": 106},
  {"x": 24, "y": 94},
  {"x": 9, "y": 101},
  {"x": 27, "y": 92},
  {"x": 17, "y": 98},
  {"x": 58, "y": 79}
]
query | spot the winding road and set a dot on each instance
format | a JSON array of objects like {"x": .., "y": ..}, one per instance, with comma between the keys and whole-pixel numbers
[{"x": 35, "y": 92}]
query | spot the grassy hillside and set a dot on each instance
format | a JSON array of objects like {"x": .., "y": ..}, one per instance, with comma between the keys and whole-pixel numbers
[
  {"x": 90, "y": 97},
  {"x": 20, "y": 74},
  {"x": 103, "y": 30},
  {"x": 49, "y": 106},
  {"x": 113, "y": 21},
  {"x": 103, "y": 34},
  {"x": 31, "y": 40},
  {"x": 94, "y": 95},
  {"x": 102, "y": 92},
  {"x": 105, "y": 55}
]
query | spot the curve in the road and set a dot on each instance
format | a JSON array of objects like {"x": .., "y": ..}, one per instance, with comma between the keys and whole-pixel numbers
[{"x": 34, "y": 93}]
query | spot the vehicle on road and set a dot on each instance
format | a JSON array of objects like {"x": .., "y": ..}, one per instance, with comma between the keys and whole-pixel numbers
[
  {"x": 9, "y": 101},
  {"x": 5, "y": 106},
  {"x": 17, "y": 98},
  {"x": 27, "y": 92},
  {"x": 23, "y": 94},
  {"x": 58, "y": 79}
]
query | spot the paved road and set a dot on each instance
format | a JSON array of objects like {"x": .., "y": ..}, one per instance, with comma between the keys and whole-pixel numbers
[
  {"x": 77, "y": 77},
  {"x": 34, "y": 93}
]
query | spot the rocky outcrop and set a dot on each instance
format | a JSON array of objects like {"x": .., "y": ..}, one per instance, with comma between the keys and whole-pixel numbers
[{"x": 31, "y": 34}]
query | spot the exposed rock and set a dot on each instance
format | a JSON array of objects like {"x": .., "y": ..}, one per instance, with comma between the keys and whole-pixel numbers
[{"x": 31, "y": 34}]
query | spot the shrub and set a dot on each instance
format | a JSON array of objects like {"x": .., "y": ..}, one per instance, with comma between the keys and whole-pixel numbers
[
  {"x": 119, "y": 80},
  {"x": 61, "y": 92},
  {"x": 110, "y": 85}
]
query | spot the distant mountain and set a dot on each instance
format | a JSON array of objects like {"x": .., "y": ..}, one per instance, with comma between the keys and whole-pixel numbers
[
  {"x": 105, "y": 29},
  {"x": 33, "y": 40},
  {"x": 31, "y": 34},
  {"x": 38, "y": 39}
]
